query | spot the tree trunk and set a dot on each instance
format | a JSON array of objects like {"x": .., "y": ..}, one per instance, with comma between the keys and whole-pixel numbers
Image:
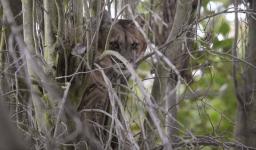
[
  {"x": 246, "y": 113},
  {"x": 78, "y": 8},
  {"x": 30, "y": 75},
  {"x": 163, "y": 90},
  {"x": 161, "y": 33},
  {"x": 50, "y": 34}
]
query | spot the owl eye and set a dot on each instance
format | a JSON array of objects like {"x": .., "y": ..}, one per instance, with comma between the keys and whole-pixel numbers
[
  {"x": 114, "y": 45},
  {"x": 134, "y": 45}
]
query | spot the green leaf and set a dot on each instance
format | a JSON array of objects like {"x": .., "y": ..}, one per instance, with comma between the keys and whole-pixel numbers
[
  {"x": 224, "y": 28},
  {"x": 224, "y": 44}
]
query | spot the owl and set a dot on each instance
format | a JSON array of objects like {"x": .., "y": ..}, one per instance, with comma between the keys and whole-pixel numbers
[{"x": 125, "y": 38}]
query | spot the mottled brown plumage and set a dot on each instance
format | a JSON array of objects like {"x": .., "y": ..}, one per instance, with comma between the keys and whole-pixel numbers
[{"x": 125, "y": 38}]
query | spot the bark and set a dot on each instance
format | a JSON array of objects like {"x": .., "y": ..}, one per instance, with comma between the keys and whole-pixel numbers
[
  {"x": 168, "y": 14},
  {"x": 3, "y": 83},
  {"x": 78, "y": 8},
  {"x": 246, "y": 113},
  {"x": 50, "y": 33},
  {"x": 29, "y": 41},
  {"x": 177, "y": 54},
  {"x": 28, "y": 24}
]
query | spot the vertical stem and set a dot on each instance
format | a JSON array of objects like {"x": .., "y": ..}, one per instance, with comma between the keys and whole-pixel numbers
[
  {"x": 78, "y": 8},
  {"x": 116, "y": 6},
  {"x": 34, "y": 14},
  {"x": 2, "y": 60},
  {"x": 50, "y": 34},
  {"x": 29, "y": 40},
  {"x": 35, "y": 92},
  {"x": 245, "y": 123}
]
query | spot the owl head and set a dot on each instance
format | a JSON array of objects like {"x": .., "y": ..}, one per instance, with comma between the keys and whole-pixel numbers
[{"x": 122, "y": 36}]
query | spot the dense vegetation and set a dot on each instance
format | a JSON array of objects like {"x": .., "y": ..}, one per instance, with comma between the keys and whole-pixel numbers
[{"x": 194, "y": 88}]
